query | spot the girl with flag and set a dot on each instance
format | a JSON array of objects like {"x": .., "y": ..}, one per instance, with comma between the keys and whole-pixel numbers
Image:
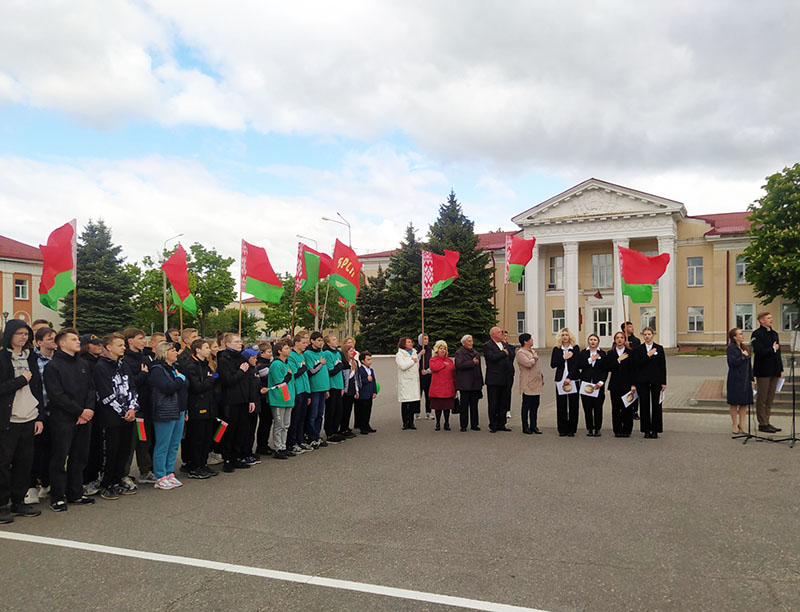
[
  {"x": 651, "y": 380},
  {"x": 565, "y": 361},
  {"x": 281, "y": 396}
]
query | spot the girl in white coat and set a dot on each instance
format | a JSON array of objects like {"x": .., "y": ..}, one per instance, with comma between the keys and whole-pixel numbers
[{"x": 407, "y": 381}]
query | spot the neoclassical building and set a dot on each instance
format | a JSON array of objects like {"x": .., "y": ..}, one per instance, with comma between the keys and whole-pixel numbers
[{"x": 573, "y": 278}]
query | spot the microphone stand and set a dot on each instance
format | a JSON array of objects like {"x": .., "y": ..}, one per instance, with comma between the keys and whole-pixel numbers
[{"x": 792, "y": 438}]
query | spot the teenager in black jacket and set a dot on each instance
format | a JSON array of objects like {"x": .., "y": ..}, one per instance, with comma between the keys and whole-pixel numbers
[
  {"x": 20, "y": 418},
  {"x": 71, "y": 398},
  {"x": 565, "y": 361},
  {"x": 239, "y": 399},
  {"x": 651, "y": 379},
  {"x": 136, "y": 362},
  {"x": 201, "y": 410},
  {"x": 621, "y": 383},
  {"x": 592, "y": 363}
]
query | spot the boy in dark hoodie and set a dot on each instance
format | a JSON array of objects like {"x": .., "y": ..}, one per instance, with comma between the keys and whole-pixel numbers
[
  {"x": 265, "y": 417},
  {"x": 20, "y": 420},
  {"x": 136, "y": 362},
  {"x": 236, "y": 378}
]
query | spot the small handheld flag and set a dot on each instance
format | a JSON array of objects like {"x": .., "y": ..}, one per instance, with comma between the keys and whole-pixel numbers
[
  {"x": 140, "y": 430},
  {"x": 285, "y": 391},
  {"x": 220, "y": 431}
]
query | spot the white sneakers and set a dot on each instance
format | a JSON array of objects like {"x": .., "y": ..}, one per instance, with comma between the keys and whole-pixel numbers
[{"x": 32, "y": 496}]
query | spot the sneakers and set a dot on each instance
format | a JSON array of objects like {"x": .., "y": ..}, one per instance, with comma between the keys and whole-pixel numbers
[
  {"x": 24, "y": 510},
  {"x": 228, "y": 467},
  {"x": 32, "y": 496},
  {"x": 59, "y": 506},
  {"x": 82, "y": 501},
  {"x": 208, "y": 471},
  {"x": 417, "y": 416},
  {"x": 127, "y": 483},
  {"x": 428, "y": 415},
  {"x": 214, "y": 459},
  {"x": 322, "y": 443},
  {"x": 335, "y": 439},
  {"x": 148, "y": 478},
  {"x": 108, "y": 493},
  {"x": 91, "y": 488},
  {"x": 199, "y": 474},
  {"x": 264, "y": 450},
  {"x": 164, "y": 483},
  {"x": 44, "y": 492},
  {"x": 5, "y": 516},
  {"x": 120, "y": 489},
  {"x": 280, "y": 455},
  {"x": 175, "y": 482},
  {"x": 299, "y": 450},
  {"x": 251, "y": 460}
]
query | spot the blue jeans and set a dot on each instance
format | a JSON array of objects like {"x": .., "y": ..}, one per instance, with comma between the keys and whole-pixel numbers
[
  {"x": 168, "y": 439},
  {"x": 314, "y": 416}
]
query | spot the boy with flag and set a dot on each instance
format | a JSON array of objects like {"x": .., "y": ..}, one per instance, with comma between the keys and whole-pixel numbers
[{"x": 281, "y": 396}]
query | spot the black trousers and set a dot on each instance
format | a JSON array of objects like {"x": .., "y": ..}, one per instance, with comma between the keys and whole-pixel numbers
[
  {"x": 235, "y": 437},
  {"x": 407, "y": 412},
  {"x": 621, "y": 417},
  {"x": 94, "y": 463},
  {"x": 468, "y": 411},
  {"x": 70, "y": 449},
  {"x": 297, "y": 425},
  {"x": 117, "y": 444},
  {"x": 144, "y": 450},
  {"x": 264, "y": 426},
  {"x": 251, "y": 424},
  {"x": 499, "y": 400},
  {"x": 40, "y": 472},
  {"x": 16, "y": 459},
  {"x": 425, "y": 387},
  {"x": 593, "y": 411},
  {"x": 650, "y": 416},
  {"x": 347, "y": 410},
  {"x": 199, "y": 433},
  {"x": 567, "y": 413},
  {"x": 530, "y": 411},
  {"x": 363, "y": 413},
  {"x": 333, "y": 412}
]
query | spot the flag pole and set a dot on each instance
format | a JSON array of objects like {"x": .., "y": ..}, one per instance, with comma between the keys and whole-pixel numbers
[
  {"x": 423, "y": 330},
  {"x": 180, "y": 318},
  {"x": 325, "y": 307},
  {"x": 294, "y": 307},
  {"x": 240, "y": 308},
  {"x": 505, "y": 303},
  {"x": 75, "y": 307}
]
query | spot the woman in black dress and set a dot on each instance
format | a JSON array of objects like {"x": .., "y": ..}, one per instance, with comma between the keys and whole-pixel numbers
[
  {"x": 565, "y": 361},
  {"x": 739, "y": 385},
  {"x": 651, "y": 380},
  {"x": 591, "y": 362},
  {"x": 620, "y": 364}
]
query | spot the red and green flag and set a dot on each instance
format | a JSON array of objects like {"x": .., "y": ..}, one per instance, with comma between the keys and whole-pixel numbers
[
  {"x": 518, "y": 253},
  {"x": 639, "y": 272},
  {"x": 346, "y": 272},
  {"x": 284, "y": 392},
  {"x": 59, "y": 265},
  {"x": 258, "y": 277},
  {"x": 178, "y": 275},
  {"x": 312, "y": 267},
  {"x": 140, "y": 430},
  {"x": 220, "y": 431},
  {"x": 438, "y": 272}
]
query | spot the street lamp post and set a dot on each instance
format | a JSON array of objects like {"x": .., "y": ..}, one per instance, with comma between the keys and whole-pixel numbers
[
  {"x": 316, "y": 285},
  {"x": 349, "y": 323},
  {"x": 164, "y": 281}
]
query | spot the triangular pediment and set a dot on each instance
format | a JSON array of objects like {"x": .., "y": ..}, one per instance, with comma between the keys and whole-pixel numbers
[{"x": 596, "y": 198}]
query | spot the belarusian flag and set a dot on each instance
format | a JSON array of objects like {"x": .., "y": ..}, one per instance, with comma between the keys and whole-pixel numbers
[
  {"x": 346, "y": 272},
  {"x": 178, "y": 274},
  {"x": 58, "y": 268},
  {"x": 518, "y": 253},
  {"x": 312, "y": 267},
  {"x": 140, "y": 430},
  {"x": 258, "y": 277},
  {"x": 639, "y": 272},
  {"x": 438, "y": 272}
]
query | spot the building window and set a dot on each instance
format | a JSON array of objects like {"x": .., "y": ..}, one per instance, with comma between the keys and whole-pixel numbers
[
  {"x": 555, "y": 281},
  {"x": 521, "y": 283},
  {"x": 741, "y": 270},
  {"x": 694, "y": 267},
  {"x": 602, "y": 269},
  {"x": 745, "y": 316},
  {"x": 647, "y": 315},
  {"x": 602, "y": 322},
  {"x": 789, "y": 317},
  {"x": 520, "y": 322},
  {"x": 696, "y": 319},
  {"x": 21, "y": 289},
  {"x": 559, "y": 322}
]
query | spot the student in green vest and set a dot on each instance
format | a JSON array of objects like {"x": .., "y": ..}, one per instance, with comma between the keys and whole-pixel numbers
[
  {"x": 320, "y": 383},
  {"x": 333, "y": 405},
  {"x": 281, "y": 398},
  {"x": 295, "y": 440}
]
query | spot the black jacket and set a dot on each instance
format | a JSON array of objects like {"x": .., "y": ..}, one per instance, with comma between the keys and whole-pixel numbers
[
  {"x": 424, "y": 359},
  {"x": 169, "y": 392},
  {"x": 557, "y": 361},
  {"x": 116, "y": 393},
  {"x": 238, "y": 387},
  {"x": 132, "y": 363},
  {"x": 650, "y": 370},
  {"x": 593, "y": 373},
  {"x": 622, "y": 372},
  {"x": 9, "y": 384},
  {"x": 70, "y": 386},
  {"x": 499, "y": 365},
  {"x": 469, "y": 375},
  {"x": 739, "y": 387},
  {"x": 201, "y": 402},
  {"x": 767, "y": 362}
]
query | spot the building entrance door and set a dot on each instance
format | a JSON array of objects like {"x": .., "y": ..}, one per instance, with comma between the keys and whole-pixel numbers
[{"x": 602, "y": 324}]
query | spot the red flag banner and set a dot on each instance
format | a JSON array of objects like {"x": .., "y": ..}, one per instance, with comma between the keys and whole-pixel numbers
[
  {"x": 59, "y": 265},
  {"x": 345, "y": 276},
  {"x": 178, "y": 274},
  {"x": 220, "y": 431},
  {"x": 312, "y": 267},
  {"x": 258, "y": 277},
  {"x": 518, "y": 253},
  {"x": 438, "y": 272}
]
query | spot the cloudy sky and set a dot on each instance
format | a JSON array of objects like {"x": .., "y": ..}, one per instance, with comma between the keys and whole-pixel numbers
[{"x": 251, "y": 119}]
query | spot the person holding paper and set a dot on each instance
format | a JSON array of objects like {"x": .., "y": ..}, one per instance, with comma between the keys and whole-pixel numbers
[
  {"x": 565, "y": 361},
  {"x": 591, "y": 362},
  {"x": 767, "y": 368},
  {"x": 621, "y": 387},
  {"x": 651, "y": 379},
  {"x": 739, "y": 385}
]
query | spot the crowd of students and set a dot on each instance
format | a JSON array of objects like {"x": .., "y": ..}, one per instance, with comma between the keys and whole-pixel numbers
[{"x": 76, "y": 409}]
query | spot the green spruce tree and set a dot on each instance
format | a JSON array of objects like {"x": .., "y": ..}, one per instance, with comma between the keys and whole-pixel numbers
[
  {"x": 403, "y": 290},
  {"x": 373, "y": 317},
  {"x": 104, "y": 284}
]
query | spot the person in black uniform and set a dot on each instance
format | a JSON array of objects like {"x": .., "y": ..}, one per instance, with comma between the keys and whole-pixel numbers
[
  {"x": 591, "y": 362},
  {"x": 632, "y": 340},
  {"x": 651, "y": 379},
  {"x": 565, "y": 361},
  {"x": 739, "y": 383},
  {"x": 424, "y": 355},
  {"x": 620, "y": 364},
  {"x": 499, "y": 375},
  {"x": 767, "y": 369}
]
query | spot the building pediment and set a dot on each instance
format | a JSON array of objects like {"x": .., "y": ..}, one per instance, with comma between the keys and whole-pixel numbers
[{"x": 596, "y": 199}]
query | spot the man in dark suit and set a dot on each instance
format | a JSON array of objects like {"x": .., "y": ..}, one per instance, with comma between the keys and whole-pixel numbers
[
  {"x": 767, "y": 369},
  {"x": 499, "y": 378}
]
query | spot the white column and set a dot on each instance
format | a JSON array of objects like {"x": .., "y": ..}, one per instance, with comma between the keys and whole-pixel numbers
[
  {"x": 571, "y": 286},
  {"x": 619, "y": 307},
  {"x": 667, "y": 296},
  {"x": 533, "y": 289}
]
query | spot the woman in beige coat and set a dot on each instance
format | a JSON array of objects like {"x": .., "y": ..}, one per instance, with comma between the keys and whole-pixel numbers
[
  {"x": 407, "y": 380},
  {"x": 531, "y": 382}
]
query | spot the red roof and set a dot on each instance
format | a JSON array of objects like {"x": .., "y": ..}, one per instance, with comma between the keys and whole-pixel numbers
[
  {"x": 252, "y": 300},
  {"x": 12, "y": 249},
  {"x": 724, "y": 224},
  {"x": 486, "y": 242}
]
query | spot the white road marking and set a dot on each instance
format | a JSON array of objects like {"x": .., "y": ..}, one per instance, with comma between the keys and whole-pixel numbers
[{"x": 333, "y": 583}]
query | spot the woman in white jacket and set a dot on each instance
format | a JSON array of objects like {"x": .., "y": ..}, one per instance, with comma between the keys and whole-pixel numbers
[{"x": 407, "y": 381}]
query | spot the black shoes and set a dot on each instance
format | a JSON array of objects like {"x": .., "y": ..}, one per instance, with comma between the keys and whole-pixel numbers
[
  {"x": 81, "y": 501},
  {"x": 769, "y": 428},
  {"x": 59, "y": 506},
  {"x": 24, "y": 510},
  {"x": 438, "y": 427},
  {"x": 5, "y": 516},
  {"x": 525, "y": 430},
  {"x": 447, "y": 426},
  {"x": 280, "y": 455},
  {"x": 476, "y": 428},
  {"x": 504, "y": 428},
  {"x": 536, "y": 430}
]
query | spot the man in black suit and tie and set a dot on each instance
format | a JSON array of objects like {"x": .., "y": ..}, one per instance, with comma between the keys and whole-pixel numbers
[{"x": 499, "y": 358}]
